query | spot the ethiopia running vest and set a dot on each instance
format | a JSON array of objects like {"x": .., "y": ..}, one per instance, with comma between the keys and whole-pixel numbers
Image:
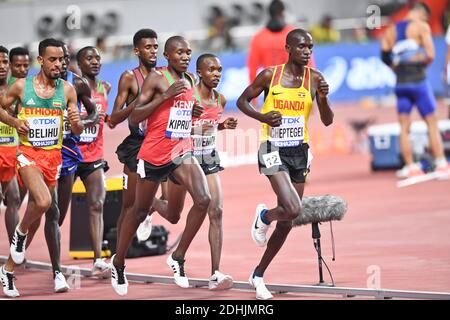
[
  {"x": 45, "y": 117},
  {"x": 205, "y": 144},
  {"x": 8, "y": 135},
  {"x": 169, "y": 127},
  {"x": 294, "y": 104},
  {"x": 91, "y": 139}
]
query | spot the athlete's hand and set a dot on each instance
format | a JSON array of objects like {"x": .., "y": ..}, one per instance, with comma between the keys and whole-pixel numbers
[
  {"x": 22, "y": 126},
  {"x": 229, "y": 123},
  {"x": 323, "y": 88},
  {"x": 108, "y": 122},
  {"x": 197, "y": 110},
  {"x": 272, "y": 118},
  {"x": 178, "y": 87},
  {"x": 74, "y": 119}
]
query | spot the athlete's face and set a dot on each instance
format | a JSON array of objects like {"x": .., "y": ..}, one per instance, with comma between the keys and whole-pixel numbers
[
  {"x": 4, "y": 66},
  {"x": 90, "y": 62},
  {"x": 210, "y": 72},
  {"x": 147, "y": 51},
  {"x": 51, "y": 62},
  {"x": 66, "y": 61},
  {"x": 20, "y": 66},
  {"x": 300, "y": 49},
  {"x": 179, "y": 55}
]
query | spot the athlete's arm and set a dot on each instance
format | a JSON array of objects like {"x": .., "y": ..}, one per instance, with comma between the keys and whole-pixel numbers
[
  {"x": 72, "y": 110},
  {"x": 148, "y": 102},
  {"x": 119, "y": 113},
  {"x": 228, "y": 123},
  {"x": 387, "y": 43},
  {"x": 107, "y": 86},
  {"x": 427, "y": 42},
  {"x": 12, "y": 94},
  {"x": 84, "y": 95},
  {"x": 326, "y": 114},
  {"x": 261, "y": 83}
]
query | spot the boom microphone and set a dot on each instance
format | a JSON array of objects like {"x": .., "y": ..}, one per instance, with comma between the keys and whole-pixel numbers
[{"x": 321, "y": 209}]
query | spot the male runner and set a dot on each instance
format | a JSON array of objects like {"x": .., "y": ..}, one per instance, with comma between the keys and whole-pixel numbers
[
  {"x": 71, "y": 157},
  {"x": 93, "y": 167},
  {"x": 204, "y": 136},
  {"x": 166, "y": 101},
  {"x": 43, "y": 99},
  {"x": 283, "y": 155},
  {"x": 145, "y": 43},
  {"x": 19, "y": 64},
  {"x": 407, "y": 47}
]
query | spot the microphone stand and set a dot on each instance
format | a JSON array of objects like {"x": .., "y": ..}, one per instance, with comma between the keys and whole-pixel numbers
[{"x": 316, "y": 240}]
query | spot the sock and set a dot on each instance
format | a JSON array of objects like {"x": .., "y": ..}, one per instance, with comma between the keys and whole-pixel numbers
[{"x": 262, "y": 216}]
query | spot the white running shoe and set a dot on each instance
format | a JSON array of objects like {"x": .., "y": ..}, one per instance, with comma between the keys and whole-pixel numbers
[
  {"x": 119, "y": 280},
  {"x": 7, "y": 278},
  {"x": 144, "y": 230},
  {"x": 100, "y": 267},
  {"x": 261, "y": 291},
  {"x": 17, "y": 248},
  {"x": 220, "y": 281},
  {"x": 443, "y": 171},
  {"x": 178, "y": 272},
  {"x": 409, "y": 171},
  {"x": 259, "y": 228},
  {"x": 60, "y": 283}
]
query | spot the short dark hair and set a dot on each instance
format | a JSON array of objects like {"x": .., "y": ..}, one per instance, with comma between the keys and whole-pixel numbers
[
  {"x": 50, "y": 42},
  {"x": 18, "y": 51},
  {"x": 173, "y": 40},
  {"x": 80, "y": 52},
  {"x": 276, "y": 7},
  {"x": 143, "y": 34},
  {"x": 293, "y": 34},
  {"x": 203, "y": 57},
  {"x": 423, "y": 6},
  {"x": 3, "y": 50}
]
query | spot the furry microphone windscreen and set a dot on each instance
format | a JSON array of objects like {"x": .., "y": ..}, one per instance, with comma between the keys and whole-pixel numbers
[{"x": 320, "y": 209}]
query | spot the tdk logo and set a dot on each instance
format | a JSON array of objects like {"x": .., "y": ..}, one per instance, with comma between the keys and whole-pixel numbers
[
  {"x": 291, "y": 120},
  {"x": 44, "y": 121}
]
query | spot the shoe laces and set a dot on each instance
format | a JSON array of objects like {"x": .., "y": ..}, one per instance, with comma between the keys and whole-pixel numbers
[
  {"x": 120, "y": 274},
  {"x": 181, "y": 267},
  {"x": 20, "y": 243},
  {"x": 11, "y": 278}
]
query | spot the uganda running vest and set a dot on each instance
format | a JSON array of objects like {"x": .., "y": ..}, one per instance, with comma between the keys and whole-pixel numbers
[
  {"x": 294, "y": 104},
  {"x": 169, "y": 130},
  {"x": 91, "y": 139},
  {"x": 8, "y": 135},
  {"x": 205, "y": 144},
  {"x": 407, "y": 56},
  {"x": 44, "y": 116}
]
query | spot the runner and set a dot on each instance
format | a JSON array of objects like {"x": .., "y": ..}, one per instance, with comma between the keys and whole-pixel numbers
[
  {"x": 93, "y": 167},
  {"x": 166, "y": 101},
  {"x": 39, "y": 123},
  {"x": 284, "y": 152},
  {"x": 145, "y": 43},
  {"x": 71, "y": 157}
]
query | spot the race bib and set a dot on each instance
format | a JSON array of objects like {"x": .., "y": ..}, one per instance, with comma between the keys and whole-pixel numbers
[
  {"x": 180, "y": 120},
  {"x": 204, "y": 144},
  {"x": 272, "y": 159},
  {"x": 7, "y": 134},
  {"x": 90, "y": 134},
  {"x": 66, "y": 125},
  {"x": 289, "y": 134},
  {"x": 44, "y": 132}
]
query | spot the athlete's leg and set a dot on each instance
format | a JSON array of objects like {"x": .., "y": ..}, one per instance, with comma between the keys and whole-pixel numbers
[
  {"x": 95, "y": 198},
  {"x": 192, "y": 177},
  {"x": 39, "y": 201},
  {"x": 289, "y": 207},
  {"x": 65, "y": 185},
  {"x": 405, "y": 145},
  {"x": 12, "y": 202},
  {"x": 52, "y": 233},
  {"x": 128, "y": 194},
  {"x": 145, "y": 192},
  {"x": 215, "y": 210},
  {"x": 434, "y": 136},
  {"x": 171, "y": 204}
]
